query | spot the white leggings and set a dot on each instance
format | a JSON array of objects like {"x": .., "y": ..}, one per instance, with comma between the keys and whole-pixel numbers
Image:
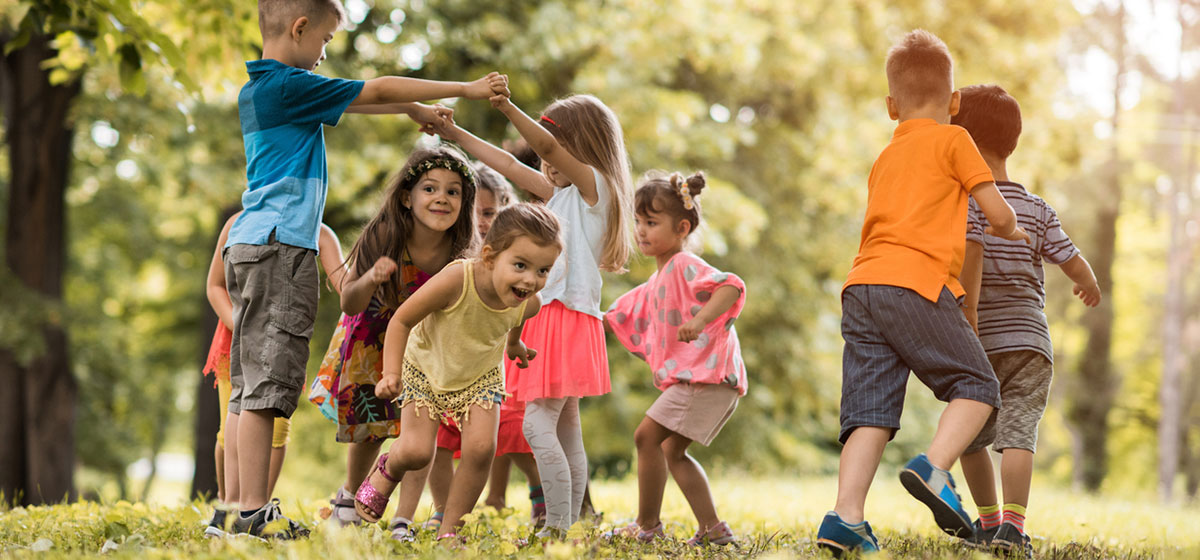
[{"x": 553, "y": 432}]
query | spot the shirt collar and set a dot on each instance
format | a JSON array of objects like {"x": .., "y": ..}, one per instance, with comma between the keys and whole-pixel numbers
[{"x": 911, "y": 125}]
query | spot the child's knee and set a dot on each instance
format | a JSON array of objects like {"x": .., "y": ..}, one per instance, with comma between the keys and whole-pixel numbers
[
  {"x": 645, "y": 437},
  {"x": 674, "y": 449}
]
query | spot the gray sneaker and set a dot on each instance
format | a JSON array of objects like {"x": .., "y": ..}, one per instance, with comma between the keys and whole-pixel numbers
[
  {"x": 216, "y": 526},
  {"x": 269, "y": 523}
]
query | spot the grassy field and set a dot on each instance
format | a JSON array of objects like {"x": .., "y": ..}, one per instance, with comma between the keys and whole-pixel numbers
[{"x": 775, "y": 518}]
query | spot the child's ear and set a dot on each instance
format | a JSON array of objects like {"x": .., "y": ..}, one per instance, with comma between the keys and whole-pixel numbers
[
  {"x": 406, "y": 199},
  {"x": 487, "y": 256},
  {"x": 955, "y": 102},
  {"x": 893, "y": 111},
  {"x": 683, "y": 228},
  {"x": 299, "y": 27}
]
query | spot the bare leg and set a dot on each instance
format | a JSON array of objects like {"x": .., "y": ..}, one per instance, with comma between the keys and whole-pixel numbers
[
  {"x": 651, "y": 471},
  {"x": 410, "y": 493},
  {"x": 526, "y": 464},
  {"x": 360, "y": 457},
  {"x": 1016, "y": 471},
  {"x": 232, "y": 488},
  {"x": 859, "y": 461},
  {"x": 692, "y": 481},
  {"x": 440, "y": 477},
  {"x": 980, "y": 477},
  {"x": 254, "y": 430},
  {"x": 957, "y": 428},
  {"x": 478, "y": 449},
  {"x": 498, "y": 482},
  {"x": 277, "y": 456},
  {"x": 219, "y": 455},
  {"x": 412, "y": 451}
]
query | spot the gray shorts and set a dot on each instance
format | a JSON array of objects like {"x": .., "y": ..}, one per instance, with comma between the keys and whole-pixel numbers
[
  {"x": 274, "y": 290},
  {"x": 1024, "y": 388},
  {"x": 890, "y": 331}
]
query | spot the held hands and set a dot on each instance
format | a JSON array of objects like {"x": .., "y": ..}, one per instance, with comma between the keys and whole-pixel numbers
[
  {"x": 521, "y": 353},
  {"x": 500, "y": 92},
  {"x": 383, "y": 269},
  {"x": 1090, "y": 294},
  {"x": 389, "y": 386},
  {"x": 1018, "y": 234},
  {"x": 485, "y": 87},
  {"x": 427, "y": 116},
  {"x": 691, "y": 330}
]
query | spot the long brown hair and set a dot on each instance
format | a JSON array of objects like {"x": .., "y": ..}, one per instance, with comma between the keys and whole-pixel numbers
[
  {"x": 590, "y": 131},
  {"x": 386, "y": 235}
]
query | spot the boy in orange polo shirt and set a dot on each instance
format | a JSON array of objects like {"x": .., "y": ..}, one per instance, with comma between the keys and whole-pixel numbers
[{"x": 901, "y": 302}]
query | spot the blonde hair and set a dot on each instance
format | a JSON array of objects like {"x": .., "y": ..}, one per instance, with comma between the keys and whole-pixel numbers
[
  {"x": 524, "y": 219},
  {"x": 590, "y": 131},
  {"x": 920, "y": 70},
  {"x": 275, "y": 17}
]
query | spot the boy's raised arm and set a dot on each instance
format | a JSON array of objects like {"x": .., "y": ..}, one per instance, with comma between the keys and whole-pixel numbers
[{"x": 395, "y": 89}]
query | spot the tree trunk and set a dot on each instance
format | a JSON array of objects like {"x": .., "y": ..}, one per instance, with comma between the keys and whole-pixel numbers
[
  {"x": 1088, "y": 412},
  {"x": 37, "y": 399},
  {"x": 208, "y": 421}
]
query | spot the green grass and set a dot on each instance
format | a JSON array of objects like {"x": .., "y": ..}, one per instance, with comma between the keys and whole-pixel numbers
[{"x": 775, "y": 518}]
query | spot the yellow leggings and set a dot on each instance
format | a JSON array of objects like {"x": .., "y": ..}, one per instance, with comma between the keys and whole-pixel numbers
[{"x": 283, "y": 426}]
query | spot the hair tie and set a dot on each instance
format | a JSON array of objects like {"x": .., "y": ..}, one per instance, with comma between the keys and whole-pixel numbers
[
  {"x": 549, "y": 120},
  {"x": 684, "y": 193}
]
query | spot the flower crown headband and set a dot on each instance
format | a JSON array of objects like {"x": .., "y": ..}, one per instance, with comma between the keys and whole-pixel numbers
[
  {"x": 681, "y": 188},
  {"x": 440, "y": 162}
]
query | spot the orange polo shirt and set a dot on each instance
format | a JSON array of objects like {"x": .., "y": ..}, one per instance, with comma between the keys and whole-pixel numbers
[{"x": 914, "y": 235}]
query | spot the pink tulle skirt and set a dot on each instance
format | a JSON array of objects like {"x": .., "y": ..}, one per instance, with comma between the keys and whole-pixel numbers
[{"x": 571, "y": 357}]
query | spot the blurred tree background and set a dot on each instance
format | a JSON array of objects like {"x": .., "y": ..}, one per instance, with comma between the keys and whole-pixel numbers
[{"x": 780, "y": 103}]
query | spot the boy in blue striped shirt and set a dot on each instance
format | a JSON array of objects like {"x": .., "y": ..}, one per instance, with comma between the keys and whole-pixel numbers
[{"x": 1005, "y": 286}]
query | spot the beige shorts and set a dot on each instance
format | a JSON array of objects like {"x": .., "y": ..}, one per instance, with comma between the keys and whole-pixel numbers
[
  {"x": 1024, "y": 388},
  {"x": 696, "y": 411}
]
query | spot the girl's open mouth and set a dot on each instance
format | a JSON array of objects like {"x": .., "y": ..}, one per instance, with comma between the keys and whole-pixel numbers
[{"x": 521, "y": 294}]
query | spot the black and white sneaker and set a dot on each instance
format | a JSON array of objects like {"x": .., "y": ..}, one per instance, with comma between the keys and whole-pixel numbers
[
  {"x": 269, "y": 523},
  {"x": 216, "y": 526}
]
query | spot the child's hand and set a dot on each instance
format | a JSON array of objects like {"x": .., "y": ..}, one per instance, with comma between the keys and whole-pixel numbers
[
  {"x": 690, "y": 330},
  {"x": 499, "y": 84},
  {"x": 1089, "y": 294},
  {"x": 482, "y": 88},
  {"x": 388, "y": 387},
  {"x": 521, "y": 353},
  {"x": 445, "y": 128},
  {"x": 426, "y": 116},
  {"x": 383, "y": 269},
  {"x": 1018, "y": 234}
]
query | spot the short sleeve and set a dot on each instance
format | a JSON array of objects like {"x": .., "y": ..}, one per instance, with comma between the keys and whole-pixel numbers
[
  {"x": 629, "y": 319},
  {"x": 313, "y": 98},
  {"x": 965, "y": 162},
  {"x": 703, "y": 281},
  {"x": 1057, "y": 248},
  {"x": 976, "y": 222}
]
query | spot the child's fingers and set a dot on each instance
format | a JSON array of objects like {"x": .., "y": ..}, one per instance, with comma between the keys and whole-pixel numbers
[{"x": 531, "y": 353}]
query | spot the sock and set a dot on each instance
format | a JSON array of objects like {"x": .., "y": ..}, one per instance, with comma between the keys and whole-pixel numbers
[
  {"x": 536, "y": 496},
  {"x": 1014, "y": 514},
  {"x": 248, "y": 514},
  {"x": 989, "y": 516}
]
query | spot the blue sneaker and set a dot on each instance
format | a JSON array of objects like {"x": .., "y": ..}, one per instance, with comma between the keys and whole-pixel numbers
[
  {"x": 935, "y": 488},
  {"x": 840, "y": 537}
]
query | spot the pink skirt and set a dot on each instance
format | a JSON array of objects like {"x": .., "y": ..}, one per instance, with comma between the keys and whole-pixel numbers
[{"x": 571, "y": 360}]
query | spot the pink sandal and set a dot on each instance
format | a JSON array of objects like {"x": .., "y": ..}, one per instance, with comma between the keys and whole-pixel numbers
[{"x": 369, "y": 502}]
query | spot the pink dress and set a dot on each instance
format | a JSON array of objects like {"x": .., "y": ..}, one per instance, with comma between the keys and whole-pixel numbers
[{"x": 647, "y": 319}]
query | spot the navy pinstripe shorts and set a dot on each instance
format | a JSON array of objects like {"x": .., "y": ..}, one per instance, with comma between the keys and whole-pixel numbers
[{"x": 890, "y": 331}]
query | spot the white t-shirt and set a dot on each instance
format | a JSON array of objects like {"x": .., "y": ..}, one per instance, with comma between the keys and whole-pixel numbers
[{"x": 575, "y": 279}]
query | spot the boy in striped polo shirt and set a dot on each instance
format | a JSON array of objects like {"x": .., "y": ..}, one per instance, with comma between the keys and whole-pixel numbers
[{"x": 1005, "y": 286}]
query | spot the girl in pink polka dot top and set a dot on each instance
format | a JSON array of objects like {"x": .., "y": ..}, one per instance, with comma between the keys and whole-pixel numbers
[{"x": 681, "y": 323}]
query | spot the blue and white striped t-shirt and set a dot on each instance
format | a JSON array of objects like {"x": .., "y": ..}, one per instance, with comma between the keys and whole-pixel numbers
[{"x": 1012, "y": 295}]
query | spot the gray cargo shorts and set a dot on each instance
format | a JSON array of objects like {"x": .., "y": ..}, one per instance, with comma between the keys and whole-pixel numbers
[
  {"x": 274, "y": 290},
  {"x": 1024, "y": 389}
]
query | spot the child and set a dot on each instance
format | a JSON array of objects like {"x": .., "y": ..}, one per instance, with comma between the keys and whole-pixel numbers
[
  {"x": 691, "y": 347},
  {"x": 449, "y": 341},
  {"x": 495, "y": 194},
  {"x": 269, "y": 255},
  {"x": 900, "y": 309},
  {"x": 218, "y": 364},
  {"x": 1005, "y": 286},
  {"x": 585, "y": 181},
  {"x": 425, "y": 222}
]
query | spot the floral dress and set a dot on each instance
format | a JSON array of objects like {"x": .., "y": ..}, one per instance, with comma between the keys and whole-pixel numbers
[{"x": 344, "y": 389}]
